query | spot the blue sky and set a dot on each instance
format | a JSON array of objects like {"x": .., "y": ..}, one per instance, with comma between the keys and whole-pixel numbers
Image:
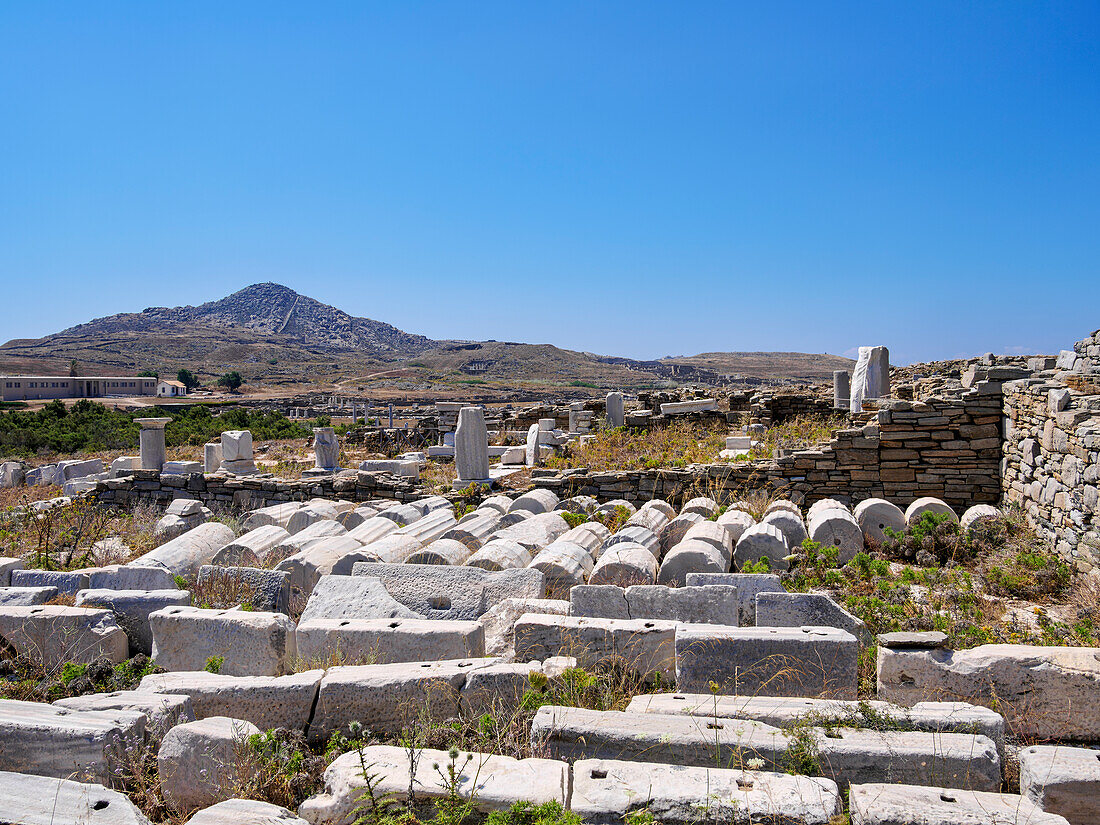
[{"x": 634, "y": 178}]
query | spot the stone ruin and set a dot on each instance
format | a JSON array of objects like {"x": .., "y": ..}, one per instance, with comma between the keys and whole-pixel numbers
[{"x": 370, "y": 610}]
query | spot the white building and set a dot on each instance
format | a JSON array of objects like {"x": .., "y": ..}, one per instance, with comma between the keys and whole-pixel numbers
[
  {"x": 171, "y": 389},
  {"x": 38, "y": 387}
]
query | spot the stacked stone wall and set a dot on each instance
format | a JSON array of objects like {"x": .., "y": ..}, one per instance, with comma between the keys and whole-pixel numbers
[{"x": 1052, "y": 462}]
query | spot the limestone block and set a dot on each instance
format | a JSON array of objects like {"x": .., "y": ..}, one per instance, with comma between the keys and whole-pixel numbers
[
  {"x": 889, "y": 804},
  {"x": 499, "y": 622},
  {"x": 162, "y": 710},
  {"x": 1043, "y": 692},
  {"x": 12, "y": 474},
  {"x": 846, "y": 755},
  {"x": 688, "y": 557},
  {"x": 26, "y": 596},
  {"x": 198, "y": 761},
  {"x": 73, "y": 469},
  {"x": 384, "y": 698},
  {"x": 130, "y": 577},
  {"x": 761, "y": 541},
  {"x": 185, "y": 554},
  {"x": 928, "y": 504},
  {"x": 257, "y": 589},
  {"x": 875, "y": 515},
  {"x": 802, "y": 609},
  {"x": 46, "y": 740},
  {"x": 460, "y": 593},
  {"x": 67, "y": 582},
  {"x": 181, "y": 467},
  {"x": 598, "y": 601},
  {"x": 837, "y": 528},
  {"x": 353, "y": 597},
  {"x": 51, "y": 635},
  {"x": 236, "y": 445},
  {"x": 41, "y": 800},
  {"x": 131, "y": 609},
  {"x": 42, "y": 476},
  {"x": 250, "y": 549},
  {"x": 605, "y": 791},
  {"x": 1062, "y": 780},
  {"x": 500, "y": 554},
  {"x": 977, "y": 513},
  {"x": 624, "y": 564},
  {"x": 7, "y": 565},
  {"x": 384, "y": 641},
  {"x": 784, "y": 711},
  {"x": 245, "y": 812},
  {"x": 642, "y": 645},
  {"x": 265, "y": 701},
  {"x": 693, "y": 406},
  {"x": 501, "y": 781},
  {"x": 251, "y": 643},
  {"x": 816, "y": 662},
  {"x": 748, "y": 585}
]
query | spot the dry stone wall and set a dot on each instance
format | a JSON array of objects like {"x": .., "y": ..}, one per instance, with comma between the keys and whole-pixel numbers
[{"x": 1052, "y": 463}]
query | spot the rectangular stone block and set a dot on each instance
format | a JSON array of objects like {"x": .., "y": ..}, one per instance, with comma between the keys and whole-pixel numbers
[
  {"x": 713, "y": 604},
  {"x": 1062, "y": 780},
  {"x": 605, "y": 791},
  {"x": 646, "y": 647},
  {"x": 845, "y": 755},
  {"x": 383, "y": 641},
  {"x": 41, "y": 800},
  {"x": 51, "y": 635},
  {"x": 249, "y": 643},
  {"x": 748, "y": 586},
  {"x": 1043, "y": 692},
  {"x": 816, "y": 662},
  {"x": 889, "y": 804},
  {"x": 47, "y": 740},
  {"x": 265, "y": 701}
]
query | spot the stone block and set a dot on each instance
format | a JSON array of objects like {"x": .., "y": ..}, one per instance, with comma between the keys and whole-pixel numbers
[
  {"x": 1044, "y": 692},
  {"x": 499, "y": 621},
  {"x": 748, "y": 585},
  {"x": 265, "y": 701},
  {"x": 245, "y": 812},
  {"x": 131, "y": 609},
  {"x": 162, "y": 711},
  {"x": 249, "y": 643},
  {"x": 26, "y": 596},
  {"x": 890, "y": 804},
  {"x": 7, "y": 565},
  {"x": 761, "y": 541},
  {"x": 250, "y": 549},
  {"x": 643, "y": 646},
  {"x": 1062, "y": 780},
  {"x": 816, "y": 662},
  {"x": 383, "y": 641},
  {"x": 130, "y": 577},
  {"x": 501, "y": 781},
  {"x": 186, "y": 553},
  {"x": 41, "y": 800},
  {"x": 51, "y": 635},
  {"x": 353, "y": 597},
  {"x": 689, "y": 557},
  {"x": 605, "y": 791},
  {"x": 807, "y": 609},
  {"x": 198, "y": 762},
  {"x": 259, "y": 590},
  {"x": 46, "y": 740},
  {"x": 66, "y": 581},
  {"x": 460, "y": 593}
]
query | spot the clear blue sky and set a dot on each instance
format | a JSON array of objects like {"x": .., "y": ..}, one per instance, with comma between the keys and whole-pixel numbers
[{"x": 628, "y": 178}]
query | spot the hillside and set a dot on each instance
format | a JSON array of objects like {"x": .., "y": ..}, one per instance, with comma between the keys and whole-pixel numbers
[{"x": 281, "y": 340}]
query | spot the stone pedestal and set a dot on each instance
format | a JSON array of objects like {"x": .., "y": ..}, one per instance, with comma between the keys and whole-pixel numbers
[
  {"x": 151, "y": 439},
  {"x": 326, "y": 449},
  {"x": 616, "y": 416},
  {"x": 842, "y": 388},
  {"x": 237, "y": 452},
  {"x": 533, "y": 457},
  {"x": 472, "y": 445}
]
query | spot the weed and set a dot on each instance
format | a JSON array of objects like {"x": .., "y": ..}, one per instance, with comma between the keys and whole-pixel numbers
[{"x": 214, "y": 664}]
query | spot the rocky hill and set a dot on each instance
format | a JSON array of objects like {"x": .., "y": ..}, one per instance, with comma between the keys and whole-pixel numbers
[{"x": 266, "y": 310}]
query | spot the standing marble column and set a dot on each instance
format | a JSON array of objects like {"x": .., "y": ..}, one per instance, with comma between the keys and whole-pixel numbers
[{"x": 151, "y": 439}]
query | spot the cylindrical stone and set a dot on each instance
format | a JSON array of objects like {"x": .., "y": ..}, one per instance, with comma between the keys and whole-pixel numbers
[{"x": 626, "y": 564}]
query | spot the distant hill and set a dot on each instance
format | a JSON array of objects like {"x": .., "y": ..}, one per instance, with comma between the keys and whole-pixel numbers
[{"x": 276, "y": 337}]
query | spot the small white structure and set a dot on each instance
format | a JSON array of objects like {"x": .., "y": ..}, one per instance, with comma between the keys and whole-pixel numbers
[{"x": 171, "y": 389}]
